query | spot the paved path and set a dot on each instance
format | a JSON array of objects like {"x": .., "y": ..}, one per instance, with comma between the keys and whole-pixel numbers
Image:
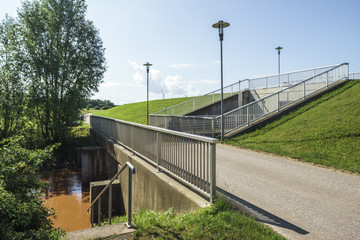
[{"x": 298, "y": 200}]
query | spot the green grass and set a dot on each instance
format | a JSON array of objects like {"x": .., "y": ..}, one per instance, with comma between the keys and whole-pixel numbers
[
  {"x": 91, "y": 110},
  {"x": 325, "y": 131},
  {"x": 136, "y": 112},
  {"x": 217, "y": 221}
]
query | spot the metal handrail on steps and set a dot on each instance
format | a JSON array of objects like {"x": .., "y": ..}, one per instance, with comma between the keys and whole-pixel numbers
[{"x": 109, "y": 185}]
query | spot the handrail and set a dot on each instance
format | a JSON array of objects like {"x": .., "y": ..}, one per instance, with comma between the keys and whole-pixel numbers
[
  {"x": 237, "y": 85},
  {"x": 187, "y": 156},
  {"x": 109, "y": 185},
  {"x": 247, "y": 106},
  {"x": 250, "y": 112},
  {"x": 352, "y": 75},
  {"x": 283, "y": 90}
]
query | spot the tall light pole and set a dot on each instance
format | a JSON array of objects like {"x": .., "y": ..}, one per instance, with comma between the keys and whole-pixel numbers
[
  {"x": 147, "y": 91},
  {"x": 278, "y": 49},
  {"x": 221, "y": 25}
]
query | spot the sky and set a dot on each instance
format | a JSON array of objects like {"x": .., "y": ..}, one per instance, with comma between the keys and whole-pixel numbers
[{"x": 177, "y": 38}]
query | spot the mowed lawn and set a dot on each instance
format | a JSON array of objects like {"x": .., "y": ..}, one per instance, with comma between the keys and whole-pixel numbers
[{"x": 325, "y": 131}]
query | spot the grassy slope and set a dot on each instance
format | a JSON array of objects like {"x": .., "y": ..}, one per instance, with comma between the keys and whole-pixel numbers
[
  {"x": 325, "y": 131},
  {"x": 136, "y": 112}
]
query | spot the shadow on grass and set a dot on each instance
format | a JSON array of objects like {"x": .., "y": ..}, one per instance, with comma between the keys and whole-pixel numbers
[{"x": 259, "y": 213}]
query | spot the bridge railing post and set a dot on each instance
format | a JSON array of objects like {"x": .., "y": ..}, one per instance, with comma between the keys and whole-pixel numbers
[
  {"x": 212, "y": 172},
  {"x": 158, "y": 136}
]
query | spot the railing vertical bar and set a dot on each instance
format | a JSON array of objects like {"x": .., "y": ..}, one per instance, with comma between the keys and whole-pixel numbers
[
  {"x": 132, "y": 140},
  {"x": 99, "y": 211},
  {"x": 212, "y": 172},
  {"x": 110, "y": 203},
  {"x": 129, "y": 198},
  {"x": 197, "y": 160},
  {"x": 158, "y": 157},
  {"x": 92, "y": 216}
]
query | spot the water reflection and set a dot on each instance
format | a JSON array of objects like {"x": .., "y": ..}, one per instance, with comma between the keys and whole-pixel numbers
[{"x": 69, "y": 199}]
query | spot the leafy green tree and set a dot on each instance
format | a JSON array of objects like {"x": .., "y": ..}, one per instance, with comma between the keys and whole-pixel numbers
[
  {"x": 12, "y": 91},
  {"x": 63, "y": 60},
  {"x": 22, "y": 214}
]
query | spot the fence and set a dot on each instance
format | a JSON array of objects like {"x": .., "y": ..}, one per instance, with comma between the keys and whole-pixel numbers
[
  {"x": 189, "y": 158},
  {"x": 282, "y": 80},
  {"x": 244, "y": 115},
  {"x": 355, "y": 75},
  {"x": 248, "y": 113}
]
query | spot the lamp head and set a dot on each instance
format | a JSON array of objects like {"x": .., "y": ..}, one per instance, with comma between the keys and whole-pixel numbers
[
  {"x": 147, "y": 66},
  {"x": 221, "y": 25},
  {"x": 278, "y": 48}
]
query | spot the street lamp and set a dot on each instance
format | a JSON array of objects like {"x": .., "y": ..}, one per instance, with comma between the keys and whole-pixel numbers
[
  {"x": 278, "y": 49},
  {"x": 221, "y": 25},
  {"x": 147, "y": 91}
]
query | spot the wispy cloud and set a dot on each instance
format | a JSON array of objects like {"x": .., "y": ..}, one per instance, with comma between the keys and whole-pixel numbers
[
  {"x": 181, "y": 65},
  {"x": 207, "y": 81}
]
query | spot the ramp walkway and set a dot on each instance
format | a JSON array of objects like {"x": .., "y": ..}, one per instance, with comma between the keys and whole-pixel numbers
[
  {"x": 249, "y": 102},
  {"x": 298, "y": 200}
]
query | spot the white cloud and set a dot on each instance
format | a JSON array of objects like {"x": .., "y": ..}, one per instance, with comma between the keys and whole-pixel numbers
[
  {"x": 174, "y": 85},
  {"x": 216, "y": 62},
  {"x": 181, "y": 65},
  {"x": 207, "y": 81},
  {"x": 155, "y": 81}
]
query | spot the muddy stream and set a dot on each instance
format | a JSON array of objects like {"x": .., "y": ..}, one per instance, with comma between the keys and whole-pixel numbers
[{"x": 69, "y": 199}]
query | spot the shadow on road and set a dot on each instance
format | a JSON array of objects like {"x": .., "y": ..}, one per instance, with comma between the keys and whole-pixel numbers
[{"x": 259, "y": 213}]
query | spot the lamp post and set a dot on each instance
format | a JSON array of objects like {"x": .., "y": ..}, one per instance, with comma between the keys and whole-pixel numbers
[
  {"x": 221, "y": 25},
  {"x": 147, "y": 91},
  {"x": 278, "y": 49}
]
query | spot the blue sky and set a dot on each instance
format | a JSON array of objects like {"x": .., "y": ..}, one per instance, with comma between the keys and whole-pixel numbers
[{"x": 177, "y": 38}]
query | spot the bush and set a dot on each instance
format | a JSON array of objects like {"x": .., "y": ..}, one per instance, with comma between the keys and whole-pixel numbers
[{"x": 22, "y": 214}]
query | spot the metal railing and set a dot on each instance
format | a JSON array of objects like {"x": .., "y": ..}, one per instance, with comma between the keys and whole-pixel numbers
[
  {"x": 355, "y": 75},
  {"x": 191, "y": 159},
  {"x": 248, "y": 113},
  {"x": 244, "y": 115},
  {"x": 109, "y": 186},
  {"x": 282, "y": 80}
]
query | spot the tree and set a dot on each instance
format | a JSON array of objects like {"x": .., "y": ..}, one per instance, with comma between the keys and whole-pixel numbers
[
  {"x": 63, "y": 60},
  {"x": 22, "y": 213},
  {"x": 12, "y": 92}
]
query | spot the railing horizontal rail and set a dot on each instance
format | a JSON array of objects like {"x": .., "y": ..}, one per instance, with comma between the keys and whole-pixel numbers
[{"x": 187, "y": 156}]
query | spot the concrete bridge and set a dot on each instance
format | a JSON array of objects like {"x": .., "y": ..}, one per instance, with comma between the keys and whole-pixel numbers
[{"x": 180, "y": 170}]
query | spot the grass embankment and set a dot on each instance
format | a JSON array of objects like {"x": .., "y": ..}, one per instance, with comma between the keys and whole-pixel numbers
[
  {"x": 136, "y": 112},
  {"x": 218, "y": 221},
  {"x": 325, "y": 131}
]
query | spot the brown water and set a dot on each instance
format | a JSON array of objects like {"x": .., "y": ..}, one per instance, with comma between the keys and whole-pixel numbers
[{"x": 69, "y": 199}]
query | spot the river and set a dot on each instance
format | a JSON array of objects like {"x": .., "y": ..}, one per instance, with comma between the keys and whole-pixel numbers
[{"x": 69, "y": 199}]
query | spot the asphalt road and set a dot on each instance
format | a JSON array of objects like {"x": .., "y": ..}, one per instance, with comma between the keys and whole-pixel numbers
[{"x": 298, "y": 200}]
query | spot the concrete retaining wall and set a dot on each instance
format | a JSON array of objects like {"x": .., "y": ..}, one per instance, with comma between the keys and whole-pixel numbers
[{"x": 96, "y": 165}]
